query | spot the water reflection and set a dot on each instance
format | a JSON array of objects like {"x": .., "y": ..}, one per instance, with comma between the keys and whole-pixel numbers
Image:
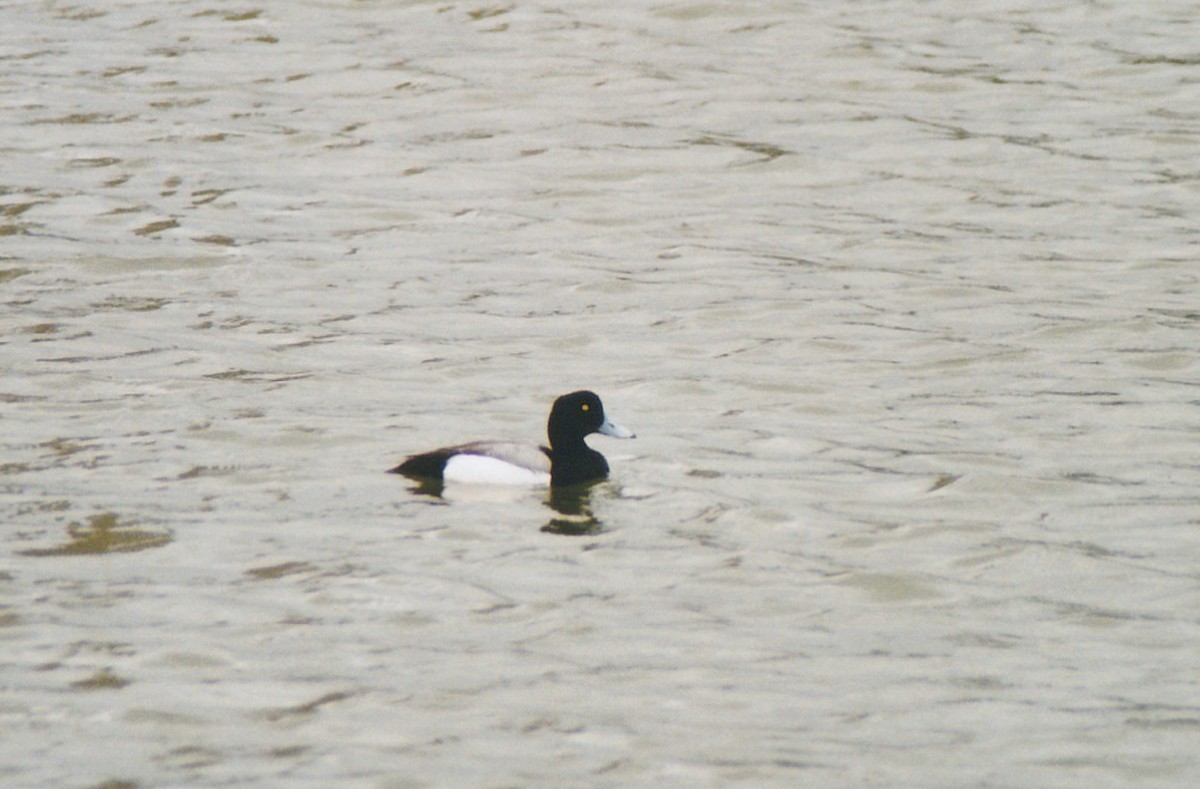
[
  {"x": 574, "y": 507},
  {"x": 427, "y": 486}
]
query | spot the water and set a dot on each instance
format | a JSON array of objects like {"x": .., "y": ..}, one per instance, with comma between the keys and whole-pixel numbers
[{"x": 900, "y": 299}]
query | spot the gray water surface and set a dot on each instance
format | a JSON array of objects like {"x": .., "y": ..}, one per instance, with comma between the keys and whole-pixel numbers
[{"x": 900, "y": 298}]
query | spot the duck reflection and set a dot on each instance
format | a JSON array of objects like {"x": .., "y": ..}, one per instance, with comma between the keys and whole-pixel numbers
[
  {"x": 428, "y": 486},
  {"x": 574, "y": 507},
  {"x": 571, "y": 505}
]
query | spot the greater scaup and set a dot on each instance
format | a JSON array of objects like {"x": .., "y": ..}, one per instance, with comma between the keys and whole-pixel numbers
[{"x": 567, "y": 461}]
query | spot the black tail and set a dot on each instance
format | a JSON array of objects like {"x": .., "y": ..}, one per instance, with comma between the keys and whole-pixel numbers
[{"x": 431, "y": 465}]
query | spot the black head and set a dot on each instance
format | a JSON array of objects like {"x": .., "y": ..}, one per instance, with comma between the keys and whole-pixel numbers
[{"x": 574, "y": 416}]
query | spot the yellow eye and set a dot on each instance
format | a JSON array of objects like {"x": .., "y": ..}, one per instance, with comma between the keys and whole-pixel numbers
[{"x": 585, "y": 406}]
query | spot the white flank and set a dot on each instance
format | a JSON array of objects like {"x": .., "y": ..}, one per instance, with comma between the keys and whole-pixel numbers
[{"x": 480, "y": 469}]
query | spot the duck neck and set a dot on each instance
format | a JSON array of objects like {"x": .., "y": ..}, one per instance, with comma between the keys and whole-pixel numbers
[
  {"x": 575, "y": 463},
  {"x": 561, "y": 444}
]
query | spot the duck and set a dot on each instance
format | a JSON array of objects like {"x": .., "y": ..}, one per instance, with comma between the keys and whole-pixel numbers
[{"x": 567, "y": 460}]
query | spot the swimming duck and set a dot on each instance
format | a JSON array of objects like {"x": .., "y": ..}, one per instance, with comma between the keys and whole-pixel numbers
[{"x": 568, "y": 460}]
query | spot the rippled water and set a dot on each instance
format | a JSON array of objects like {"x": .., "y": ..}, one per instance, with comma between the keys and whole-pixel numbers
[{"x": 900, "y": 297}]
